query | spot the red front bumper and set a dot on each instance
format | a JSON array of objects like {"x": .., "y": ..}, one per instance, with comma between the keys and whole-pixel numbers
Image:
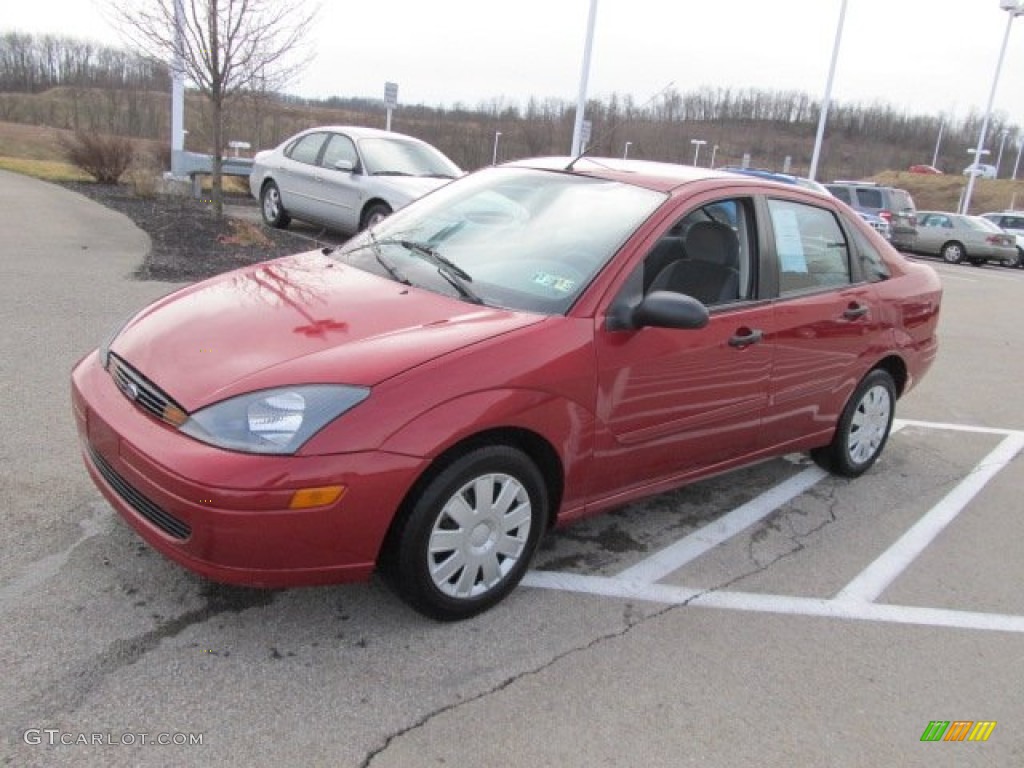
[{"x": 225, "y": 515}]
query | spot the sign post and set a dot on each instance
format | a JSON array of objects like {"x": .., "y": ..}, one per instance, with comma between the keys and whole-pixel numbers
[{"x": 390, "y": 99}]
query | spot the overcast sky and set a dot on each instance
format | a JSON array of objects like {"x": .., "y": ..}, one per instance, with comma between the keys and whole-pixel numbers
[{"x": 925, "y": 56}]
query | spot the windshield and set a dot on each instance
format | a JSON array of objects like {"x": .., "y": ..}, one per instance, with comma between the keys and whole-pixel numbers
[
  {"x": 401, "y": 157},
  {"x": 517, "y": 238}
]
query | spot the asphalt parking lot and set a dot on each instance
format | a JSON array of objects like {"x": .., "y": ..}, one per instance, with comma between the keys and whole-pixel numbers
[{"x": 776, "y": 616}]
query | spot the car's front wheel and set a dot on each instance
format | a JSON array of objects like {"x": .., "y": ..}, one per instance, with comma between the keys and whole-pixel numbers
[
  {"x": 863, "y": 427},
  {"x": 274, "y": 213},
  {"x": 952, "y": 253},
  {"x": 470, "y": 534}
]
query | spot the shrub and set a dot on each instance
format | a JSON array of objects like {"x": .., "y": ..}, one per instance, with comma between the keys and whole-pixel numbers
[{"x": 105, "y": 158}]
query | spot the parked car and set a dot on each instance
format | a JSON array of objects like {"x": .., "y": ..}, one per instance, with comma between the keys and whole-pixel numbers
[
  {"x": 1011, "y": 222},
  {"x": 981, "y": 170},
  {"x": 528, "y": 345},
  {"x": 877, "y": 223},
  {"x": 958, "y": 238},
  {"x": 784, "y": 178},
  {"x": 930, "y": 169},
  {"x": 346, "y": 178},
  {"x": 894, "y": 205}
]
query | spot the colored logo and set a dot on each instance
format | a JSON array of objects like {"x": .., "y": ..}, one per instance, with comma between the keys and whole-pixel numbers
[{"x": 958, "y": 730}]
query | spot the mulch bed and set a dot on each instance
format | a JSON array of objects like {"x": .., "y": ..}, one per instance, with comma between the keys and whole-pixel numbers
[{"x": 188, "y": 242}]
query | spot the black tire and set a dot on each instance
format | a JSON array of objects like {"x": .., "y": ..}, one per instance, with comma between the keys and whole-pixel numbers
[
  {"x": 373, "y": 214},
  {"x": 953, "y": 252},
  {"x": 451, "y": 569},
  {"x": 863, "y": 428},
  {"x": 272, "y": 208},
  {"x": 1020, "y": 258}
]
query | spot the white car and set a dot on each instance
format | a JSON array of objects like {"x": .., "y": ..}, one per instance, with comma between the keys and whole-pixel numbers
[
  {"x": 1011, "y": 222},
  {"x": 981, "y": 170},
  {"x": 344, "y": 177}
]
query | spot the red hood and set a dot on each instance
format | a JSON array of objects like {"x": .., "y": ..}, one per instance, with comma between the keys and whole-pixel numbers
[{"x": 302, "y": 319}]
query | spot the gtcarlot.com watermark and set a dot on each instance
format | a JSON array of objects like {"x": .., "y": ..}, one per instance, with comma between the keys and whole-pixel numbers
[{"x": 54, "y": 737}]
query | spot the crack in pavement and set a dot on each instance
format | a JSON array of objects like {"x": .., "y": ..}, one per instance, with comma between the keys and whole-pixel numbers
[{"x": 632, "y": 622}]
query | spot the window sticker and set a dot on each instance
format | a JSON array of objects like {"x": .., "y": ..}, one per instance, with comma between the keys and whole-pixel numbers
[
  {"x": 788, "y": 243},
  {"x": 560, "y": 284}
]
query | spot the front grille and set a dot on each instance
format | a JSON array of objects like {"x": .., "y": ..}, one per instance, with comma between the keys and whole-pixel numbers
[
  {"x": 162, "y": 519},
  {"x": 144, "y": 393}
]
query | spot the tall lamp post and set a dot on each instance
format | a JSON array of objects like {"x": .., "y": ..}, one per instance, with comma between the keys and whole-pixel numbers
[
  {"x": 1002, "y": 143},
  {"x": 581, "y": 99},
  {"x": 697, "y": 144},
  {"x": 625, "y": 150},
  {"x": 823, "y": 117},
  {"x": 494, "y": 156},
  {"x": 714, "y": 151},
  {"x": 1014, "y": 8},
  {"x": 1016, "y": 165}
]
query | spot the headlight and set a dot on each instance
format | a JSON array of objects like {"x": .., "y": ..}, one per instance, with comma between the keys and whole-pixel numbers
[{"x": 273, "y": 420}]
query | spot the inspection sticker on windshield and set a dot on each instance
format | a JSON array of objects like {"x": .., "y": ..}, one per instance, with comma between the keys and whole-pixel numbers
[{"x": 560, "y": 284}]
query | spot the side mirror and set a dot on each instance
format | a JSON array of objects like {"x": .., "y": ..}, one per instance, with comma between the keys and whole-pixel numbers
[
  {"x": 662, "y": 309},
  {"x": 344, "y": 165}
]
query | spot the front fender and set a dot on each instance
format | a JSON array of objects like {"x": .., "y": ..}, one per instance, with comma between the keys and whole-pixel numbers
[{"x": 565, "y": 425}]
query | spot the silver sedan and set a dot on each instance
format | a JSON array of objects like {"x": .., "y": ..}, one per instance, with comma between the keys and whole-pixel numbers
[
  {"x": 958, "y": 238},
  {"x": 346, "y": 178}
]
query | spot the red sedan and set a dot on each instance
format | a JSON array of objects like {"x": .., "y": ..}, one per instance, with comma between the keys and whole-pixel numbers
[{"x": 528, "y": 345}]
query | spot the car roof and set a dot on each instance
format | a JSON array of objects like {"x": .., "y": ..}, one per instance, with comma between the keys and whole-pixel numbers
[
  {"x": 360, "y": 132},
  {"x": 658, "y": 176}
]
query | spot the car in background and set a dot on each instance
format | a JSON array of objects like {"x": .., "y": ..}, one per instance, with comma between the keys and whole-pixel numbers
[
  {"x": 877, "y": 223},
  {"x": 1011, "y": 222},
  {"x": 528, "y": 345},
  {"x": 958, "y": 238},
  {"x": 894, "y": 205},
  {"x": 930, "y": 169},
  {"x": 981, "y": 170},
  {"x": 782, "y": 178},
  {"x": 345, "y": 177}
]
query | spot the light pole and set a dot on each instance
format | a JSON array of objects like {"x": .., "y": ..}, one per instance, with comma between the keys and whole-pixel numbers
[
  {"x": 938, "y": 141},
  {"x": 823, "y": 117},
  {"x": 1002, "y": 143},
  {"x": 581, "y": 99},
  {"x": 1016, "y": 165},
  {"x": 1014, "y": 8},
  {"x": 714, "y": 151},
  {"x": 625, "y": 150},
  {"x": 494, "y": 156},
  {"x": 697, "y": 144}
]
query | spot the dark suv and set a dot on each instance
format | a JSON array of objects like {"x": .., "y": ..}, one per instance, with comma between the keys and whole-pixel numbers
[{"x": 894, "y": 205}]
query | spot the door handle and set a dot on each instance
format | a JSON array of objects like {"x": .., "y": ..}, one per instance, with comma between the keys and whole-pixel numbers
[
  {"x": 854, "y": 311},
  {"x": 745, "y": 338}
]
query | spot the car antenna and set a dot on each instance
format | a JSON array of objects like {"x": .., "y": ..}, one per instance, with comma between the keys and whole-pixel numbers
[{"x": 613, "y": 126}]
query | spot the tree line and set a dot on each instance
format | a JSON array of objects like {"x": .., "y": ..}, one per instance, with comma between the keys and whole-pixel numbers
[
  {"x": 32, "y": 64},
  {"x": 78, "y": 85}
]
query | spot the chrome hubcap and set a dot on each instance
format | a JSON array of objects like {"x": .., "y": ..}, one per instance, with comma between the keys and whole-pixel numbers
[
  {"x": 869, "y": 425},
  {"x": 479, "y": 536},
  {"x": 270, "y": 204}
]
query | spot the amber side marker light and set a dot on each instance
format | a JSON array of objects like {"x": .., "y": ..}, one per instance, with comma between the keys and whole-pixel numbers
[
  {"x": 304, "y": 498},
  {"x": 174, "y": 415}
]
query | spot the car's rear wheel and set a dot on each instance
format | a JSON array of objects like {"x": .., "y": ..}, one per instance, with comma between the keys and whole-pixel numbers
[
  {"x": 470, "y": 535},
  {"x": 863, "y": 428},
  {"x": 952, "y": 253},
  {"x": 373, "y": 214},
  {"x": 273, "y": 210}
]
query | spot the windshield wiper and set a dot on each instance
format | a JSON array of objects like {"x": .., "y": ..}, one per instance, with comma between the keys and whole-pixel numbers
[
  {"x": 447, "y": 268},
  {"x": 392, "y": 270},
  {"x": 390, "y": 173}
]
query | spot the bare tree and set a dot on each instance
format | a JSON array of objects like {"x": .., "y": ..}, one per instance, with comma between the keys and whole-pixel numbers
[{"x": 227, "y": 47}]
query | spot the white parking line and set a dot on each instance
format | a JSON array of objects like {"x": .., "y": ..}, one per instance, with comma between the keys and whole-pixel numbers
[
  {"x": 675, "y": 556},
  {"x": 874, "y": 579},
  {"x": 855, "y": 601},
  {"x": 782, "y": 604}
]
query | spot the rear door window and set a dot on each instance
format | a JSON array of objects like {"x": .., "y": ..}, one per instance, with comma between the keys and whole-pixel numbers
[
  {"x": 870, "y": 198},
  {"x": 810, "y": 247}
]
